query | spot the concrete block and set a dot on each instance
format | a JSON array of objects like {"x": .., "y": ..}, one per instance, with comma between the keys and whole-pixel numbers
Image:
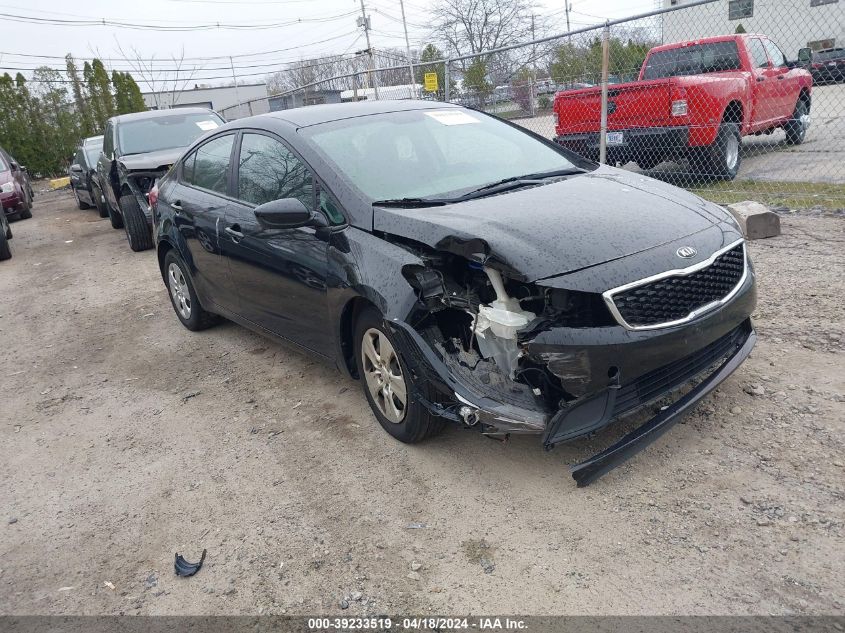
[{"x": 755, "y": 219}]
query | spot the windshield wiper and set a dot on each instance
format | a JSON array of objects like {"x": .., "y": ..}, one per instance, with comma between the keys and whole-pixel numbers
[
  {"x": 485, "y": 190},
  {"x": 413, "y": 202},
  {"x": 519, "y": 181}
]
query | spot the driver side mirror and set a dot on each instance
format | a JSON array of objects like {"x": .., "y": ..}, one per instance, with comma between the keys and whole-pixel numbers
[
  {"x": 14, "y": 166},
  {"x": 287, "y": 213},
  {"x": 76, "y": 167},
  {"x": 805, "y": 55}
]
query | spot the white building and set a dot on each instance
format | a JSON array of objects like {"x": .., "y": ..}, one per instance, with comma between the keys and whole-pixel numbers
[
  {"x": 792, "y": 24},
  {"x": 217, "y": 98}
]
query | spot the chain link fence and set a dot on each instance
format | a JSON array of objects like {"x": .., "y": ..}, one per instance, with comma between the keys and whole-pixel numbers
[{"x": 732, "y": 99}]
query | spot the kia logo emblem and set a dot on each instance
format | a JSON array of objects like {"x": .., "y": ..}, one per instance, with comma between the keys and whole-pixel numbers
[{"x": 686, "y": 252}]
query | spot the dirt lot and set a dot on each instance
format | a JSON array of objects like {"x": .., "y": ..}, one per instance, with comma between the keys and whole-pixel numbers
[{"x": 125, "y": 438}]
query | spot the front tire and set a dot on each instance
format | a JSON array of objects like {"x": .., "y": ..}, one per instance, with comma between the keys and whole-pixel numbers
[
  {"x": 796, "y": 127},
  {"x": 183, "y": 297},
  {"x": 99, "y": 203},
  {"x": 135, "y": 222},
  {"x": 387, "y": 384},
  {"x": 79, "y": 203},
  {"x": 26, "y": 212}
]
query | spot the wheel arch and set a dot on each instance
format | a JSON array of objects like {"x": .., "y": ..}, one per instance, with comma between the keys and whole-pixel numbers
[
  {"x": 346, "y": 332},
  {"x": 734, "y": 113}
]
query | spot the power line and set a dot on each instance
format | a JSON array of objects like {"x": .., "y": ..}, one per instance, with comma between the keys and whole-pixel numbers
[
  {"x": 207, "y": 58},
  {"x": 27, "y": 19}
]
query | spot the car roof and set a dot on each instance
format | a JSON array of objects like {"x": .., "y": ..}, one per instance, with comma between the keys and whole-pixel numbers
[
  {"x": 316, "y": 114},
  {"x": 155, "y": 114},
  {"x": 92, "y": 140}
]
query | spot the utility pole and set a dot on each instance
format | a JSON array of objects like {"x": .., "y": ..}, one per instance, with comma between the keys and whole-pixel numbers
[
  {"x": 365, "y": 22},
  {"x": 408, "y": 50},
  {"x": 235, "y": 79},
  {"x": 533, "y": 84}
]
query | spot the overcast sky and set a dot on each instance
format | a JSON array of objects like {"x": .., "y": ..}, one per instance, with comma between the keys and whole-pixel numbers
[{"x": 295, "y": 29}]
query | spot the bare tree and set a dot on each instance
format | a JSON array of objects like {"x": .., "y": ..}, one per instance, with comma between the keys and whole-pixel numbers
[
  {"x": 162, "y": 83},
  {"x": 475, "y": 26}
]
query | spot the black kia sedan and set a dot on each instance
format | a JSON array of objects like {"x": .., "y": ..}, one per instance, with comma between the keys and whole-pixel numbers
[{"x": 464, "y": 269}]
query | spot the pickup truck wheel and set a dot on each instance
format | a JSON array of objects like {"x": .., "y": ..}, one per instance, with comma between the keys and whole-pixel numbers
[
  {"x": 387, "y": 383},
  {"x": 796, "y": 127},
  {"x": 8, "y": 231},
  {"x": 183, "y": 296},
  {"x": 722, "y": 159},
  {"x": 5, "y": 251},
  {"x": 135, "y": 222}
]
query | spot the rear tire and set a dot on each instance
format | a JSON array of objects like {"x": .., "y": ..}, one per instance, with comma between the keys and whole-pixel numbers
[
  {"x": 796, "y": 127},
  {"x": 8, "y": 231},
  {"x": 721, "y": 161},
  {"x": 183, "y": 297},
  {"x": 5, "y": 251},
  {"x": 384, "y": 384}
]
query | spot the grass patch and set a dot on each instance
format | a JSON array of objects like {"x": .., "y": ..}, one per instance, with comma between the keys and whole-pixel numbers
[{"x": 794, "y": 195}]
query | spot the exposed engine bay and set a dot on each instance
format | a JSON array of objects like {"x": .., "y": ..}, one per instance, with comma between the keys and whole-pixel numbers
[{"x": 481, "y": 321}]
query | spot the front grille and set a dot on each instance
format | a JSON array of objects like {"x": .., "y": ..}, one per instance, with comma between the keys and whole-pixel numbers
[
  {"x": 675, "y": 297},
  {"x": 659, "y": 382}
]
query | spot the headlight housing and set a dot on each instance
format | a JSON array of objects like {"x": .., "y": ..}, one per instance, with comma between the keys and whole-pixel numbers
[{"x": 7, "y": 187}]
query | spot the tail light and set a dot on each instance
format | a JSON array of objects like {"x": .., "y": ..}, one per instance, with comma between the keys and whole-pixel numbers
[
  {"x": 679, "y": 107},
  {"x": 818, "y": 65}
]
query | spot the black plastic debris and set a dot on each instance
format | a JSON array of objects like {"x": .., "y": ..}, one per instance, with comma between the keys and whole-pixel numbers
[{"x": 184, "y": 568}]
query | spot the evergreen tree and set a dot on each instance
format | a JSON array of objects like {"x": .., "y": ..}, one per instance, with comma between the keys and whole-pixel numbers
[{"x": 80, "y": 96}]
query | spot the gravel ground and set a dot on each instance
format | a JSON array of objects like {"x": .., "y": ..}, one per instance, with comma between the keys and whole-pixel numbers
[{"x": 125, "y": 438}]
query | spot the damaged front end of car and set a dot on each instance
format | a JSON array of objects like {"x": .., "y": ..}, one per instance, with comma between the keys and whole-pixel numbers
[{"x": 505, "y": 355}]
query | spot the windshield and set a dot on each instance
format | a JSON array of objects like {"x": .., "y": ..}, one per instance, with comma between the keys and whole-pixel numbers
[
  {"x": 430, "y": 153},
  {"x": 164, "y": 132},
  {"x": 92, "y": 155},
  {"x": 697, "y": 59}
]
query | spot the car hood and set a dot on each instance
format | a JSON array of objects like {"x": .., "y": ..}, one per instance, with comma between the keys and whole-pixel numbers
[
  {"x": 151, "y": 160},
  {"x": 560, "y": 227}
]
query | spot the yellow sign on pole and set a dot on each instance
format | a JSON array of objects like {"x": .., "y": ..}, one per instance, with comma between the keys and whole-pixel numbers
[{"x": 430, "y": 82}]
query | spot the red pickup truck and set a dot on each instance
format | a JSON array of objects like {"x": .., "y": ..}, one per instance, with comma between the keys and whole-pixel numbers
[{"x": 693, "y": 100}]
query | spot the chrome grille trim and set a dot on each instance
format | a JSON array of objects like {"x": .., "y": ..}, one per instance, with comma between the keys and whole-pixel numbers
[{"x": 681, "y": 272}]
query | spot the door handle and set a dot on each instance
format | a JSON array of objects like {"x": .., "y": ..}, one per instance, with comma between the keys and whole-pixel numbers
[
  {"x": 176, "y": 206},
  {"x": 781, "y": 76},
  {"x": 234, "y": 231},
  {"x": 761, "y": 79}
]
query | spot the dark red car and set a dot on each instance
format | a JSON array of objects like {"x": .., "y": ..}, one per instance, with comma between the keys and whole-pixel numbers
[{"x": 15, "y": 188}]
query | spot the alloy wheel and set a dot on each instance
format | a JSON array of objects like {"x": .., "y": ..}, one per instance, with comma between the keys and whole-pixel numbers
[
  {"x": 731, "y": 152},
  {"x": 179, "y": 290},
  {"x": 384, "y": 377}
]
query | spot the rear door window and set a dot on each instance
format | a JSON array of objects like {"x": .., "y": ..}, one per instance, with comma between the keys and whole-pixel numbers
[{"x": 208, "y": 166}]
